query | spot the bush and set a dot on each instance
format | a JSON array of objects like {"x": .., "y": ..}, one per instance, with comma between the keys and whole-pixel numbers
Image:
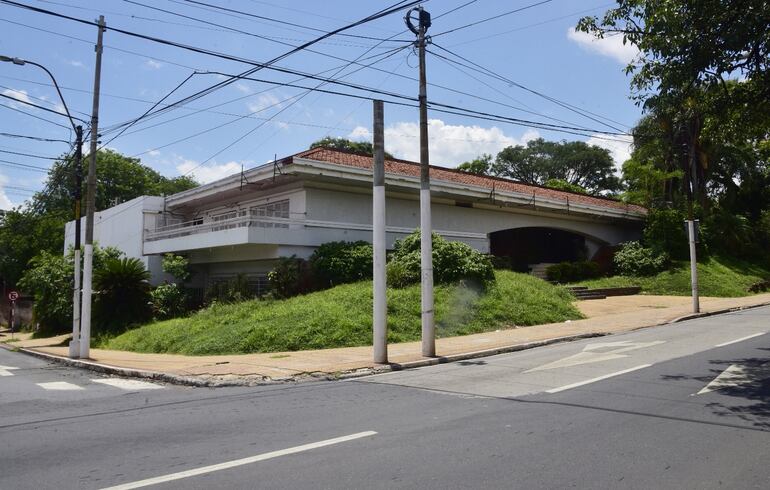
[
  {"x": 565, "y": 272},
  {"x": 122, "y": 295},
  {"x": 230, "y": 291},
  {"x": 632, "y": 259},
  {"x": 289, "y": 278},
  {"x": 665, "y": 233},
  {"x": 452, "y": 261},
  {"x": 176, "y": 265},
  {"x": 337, "y": 263},
  {"x": 168, "y": 301}
]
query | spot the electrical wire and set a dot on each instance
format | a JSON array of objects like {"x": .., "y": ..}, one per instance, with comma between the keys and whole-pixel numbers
[
  {"x": 15, "y": 99},
  {"x": 37, "y": 117},
  {"x": 36, "y": 138},
  {"x": 498, "y": 16},
  {"x": 25, "y": 166},
  {"x": 31, "y": 155}
]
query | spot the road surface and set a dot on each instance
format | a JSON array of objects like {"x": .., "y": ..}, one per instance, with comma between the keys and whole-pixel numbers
[{"x": 679, "y": 406}]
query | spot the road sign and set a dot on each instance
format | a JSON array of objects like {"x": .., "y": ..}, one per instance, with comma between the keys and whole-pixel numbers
[{"x": 13, "y": 295}]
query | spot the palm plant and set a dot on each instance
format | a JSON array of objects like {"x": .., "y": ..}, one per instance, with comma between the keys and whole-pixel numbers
[{"x": 122, "y": 294}]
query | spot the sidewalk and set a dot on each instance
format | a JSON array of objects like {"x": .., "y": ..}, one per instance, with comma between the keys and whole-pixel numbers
[{"x": 602, "y": 318}]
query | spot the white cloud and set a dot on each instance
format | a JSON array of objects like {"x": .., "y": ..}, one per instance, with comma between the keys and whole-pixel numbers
[
  {"x": 76, "y": 63},
  {"x": 619, "y": 146},
  {"x": 243, "y": 88},
  {"x": 209, "y": 172},
  {"x": 610, "y": 46},
  {"x": 20, "y": 95},
  {"x": 264, "y": 101},
  {"x": 153, "y": 153},
  {"x": 5, "y": 202},
  {"x": 155, "y": 65},
  {"x": 449, "y": 145}
]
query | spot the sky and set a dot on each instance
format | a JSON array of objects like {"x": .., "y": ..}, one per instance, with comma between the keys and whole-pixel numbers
[{"x": 249, "y": 122}]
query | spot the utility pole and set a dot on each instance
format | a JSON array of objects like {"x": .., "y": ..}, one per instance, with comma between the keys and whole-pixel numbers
[
  {"x": 691, "y": 223},
  {"x": 426, "y": 245},
  {"x": 380, "y": 320},
  {"x": 88, "y": 263},
  {"x": 74, "y": 347}
]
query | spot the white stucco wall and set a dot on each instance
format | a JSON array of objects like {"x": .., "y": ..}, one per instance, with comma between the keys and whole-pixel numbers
[{"x": 122, "y": 227}]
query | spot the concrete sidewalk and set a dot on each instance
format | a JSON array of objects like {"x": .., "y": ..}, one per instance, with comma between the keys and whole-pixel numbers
[{"x": 611, "y": 315}]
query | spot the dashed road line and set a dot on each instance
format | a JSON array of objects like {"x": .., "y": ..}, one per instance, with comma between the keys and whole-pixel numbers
[
  {"x": 239, "y": 462},
  {"x": 127, "y": 384},
  {"x": 740, "y": 339},
  {"x": 594, "y": 380},
  {"x": 59, "y": 386},
  {"x": 6, "y": 370}
]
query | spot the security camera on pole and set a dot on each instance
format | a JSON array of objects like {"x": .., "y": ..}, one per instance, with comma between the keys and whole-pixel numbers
[{"x": 426, "y": 245}]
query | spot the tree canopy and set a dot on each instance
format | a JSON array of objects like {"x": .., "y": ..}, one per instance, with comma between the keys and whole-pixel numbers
[
  {"x": 570, "y": 165},
  {"x": 38, "y": 225},
  {"x": 346, "y": 145}
]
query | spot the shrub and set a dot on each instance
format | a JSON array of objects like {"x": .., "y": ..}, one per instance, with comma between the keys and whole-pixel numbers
[
  {"x": 176, "y": 265},
  {"x": 230, "y": 291},
  {"x": 452, "y": 261},
  {"x": 565, "y": 272},
  {"x": 168, "y": 301},
  {"x": 122, "y": 295},
  {"x": 632, "y": 259},
  {"x": 289, "y": 278},
  {"x": 337, "y": 263},
  {"x": 665, "y": 233}
]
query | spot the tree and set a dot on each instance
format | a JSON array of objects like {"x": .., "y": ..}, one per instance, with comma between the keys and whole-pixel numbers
[
  {"x": 563, "y": 185},
  {"x": 575, "y": 163},
  {"x": 481, "y": 165},
  {"x": 39, "y": 225},
  {"x": 346, "y": 145}
]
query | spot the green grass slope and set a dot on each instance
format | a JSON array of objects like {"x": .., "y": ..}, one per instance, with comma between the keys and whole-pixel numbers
[
  {"x": 717, "y": 276},
  {"x": 342, "y": 317}
]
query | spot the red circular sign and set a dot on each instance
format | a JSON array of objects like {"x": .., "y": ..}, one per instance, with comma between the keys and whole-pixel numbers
[{"x": 13, "y": 295}]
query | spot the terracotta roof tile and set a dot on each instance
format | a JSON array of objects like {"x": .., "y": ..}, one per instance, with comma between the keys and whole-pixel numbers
[{"x": 403, "y": 167}]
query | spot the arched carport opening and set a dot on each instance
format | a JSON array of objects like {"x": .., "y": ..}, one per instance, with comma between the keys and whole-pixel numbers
[{"x": 523, "y": 247}]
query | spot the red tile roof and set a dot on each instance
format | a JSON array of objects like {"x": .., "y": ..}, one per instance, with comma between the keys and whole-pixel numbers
[{"x": 404, "y": 167}]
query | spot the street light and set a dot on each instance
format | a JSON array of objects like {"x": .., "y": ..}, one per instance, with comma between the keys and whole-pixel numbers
[{"x": 74, "y": 347}]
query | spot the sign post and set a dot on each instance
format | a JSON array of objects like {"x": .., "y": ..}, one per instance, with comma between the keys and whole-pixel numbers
[{"x": 12, "y": 297}]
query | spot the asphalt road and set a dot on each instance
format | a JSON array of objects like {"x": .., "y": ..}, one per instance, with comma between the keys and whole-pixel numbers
[{"x": 682, "y": 406}]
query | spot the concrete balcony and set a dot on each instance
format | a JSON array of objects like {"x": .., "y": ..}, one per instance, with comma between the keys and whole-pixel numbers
[{"x": 241, "y": 230}]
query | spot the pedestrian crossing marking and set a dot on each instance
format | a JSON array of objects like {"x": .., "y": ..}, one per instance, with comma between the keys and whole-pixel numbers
[
  {"x": 59, "y": 386},
  {"x": 127, "y": 384}
]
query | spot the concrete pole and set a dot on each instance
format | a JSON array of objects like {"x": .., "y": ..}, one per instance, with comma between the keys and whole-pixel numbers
[
  {"x": 74, "y": 347},
  {"x": 693, "y": 267},
  {"x": 426, "y": 245},
  {"x": 380, "y": 320},
  {"x": 88, "y": 269}
]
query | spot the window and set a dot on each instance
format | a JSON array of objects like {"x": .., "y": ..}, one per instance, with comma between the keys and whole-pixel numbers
[
  {"x": 277, "y": 209},
  {"x": 223, "y": 217}
]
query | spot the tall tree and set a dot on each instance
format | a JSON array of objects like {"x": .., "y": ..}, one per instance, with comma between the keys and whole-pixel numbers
[
  {"x": 573, "y": 162},
  {"x": 481, "y": 165},
  {"x": 346, "y": 145}
]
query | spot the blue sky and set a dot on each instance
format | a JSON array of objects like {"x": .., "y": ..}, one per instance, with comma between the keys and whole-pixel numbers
[{"x": 534, "y": 47}]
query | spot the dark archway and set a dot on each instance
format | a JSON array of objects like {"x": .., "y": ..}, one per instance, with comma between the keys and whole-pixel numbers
[{"x": 536, "y": 245}]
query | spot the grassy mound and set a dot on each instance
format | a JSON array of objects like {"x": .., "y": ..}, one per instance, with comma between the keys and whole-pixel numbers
[
  {"x": 717, "y": 276},
  {"x": 342, "y": 317}
]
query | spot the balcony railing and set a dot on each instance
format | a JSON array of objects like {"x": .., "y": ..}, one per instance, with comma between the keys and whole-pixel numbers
[{"x": 196, "y": 227}]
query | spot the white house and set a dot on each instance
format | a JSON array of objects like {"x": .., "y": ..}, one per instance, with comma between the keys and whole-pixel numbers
[{"x": 243, "y": 223}]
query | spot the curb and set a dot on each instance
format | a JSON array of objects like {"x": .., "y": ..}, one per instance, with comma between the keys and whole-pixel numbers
[
  {"x": 693, "y": 316},
  {"x": 256, "y": 380}
]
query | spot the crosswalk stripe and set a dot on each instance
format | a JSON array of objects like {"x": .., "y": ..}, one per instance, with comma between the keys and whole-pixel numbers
[
  {"x": 6, "y": 370},
  {"x": 59, "y": 386},
  {"x": 127, "y": 384}
]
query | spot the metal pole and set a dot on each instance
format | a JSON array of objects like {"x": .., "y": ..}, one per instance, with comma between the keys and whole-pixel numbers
[
  {"x": 426, "y": 245},
  {"x": 85, "y": 327},
  {"x": 693, "y": 266},
  {"x": 380, "y": 321},
  {"x": 74, "y": 347}
]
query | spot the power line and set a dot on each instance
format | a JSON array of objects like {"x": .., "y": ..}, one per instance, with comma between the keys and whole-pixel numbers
[
  {"x": 493, "y": 17},
  {"x": 36, "y": 117},
  {"x": 570, "y": 107},
  {"x": 36, "y": 138},
  {"x": 41, "y": 99},
  {"x": 23, "y": 166},
  {"x": 31, "y": 155},
  {"x": 38, "y": 106}
]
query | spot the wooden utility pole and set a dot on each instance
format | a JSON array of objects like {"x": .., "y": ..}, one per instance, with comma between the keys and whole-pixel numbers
[{"x": 88, "y": 263}]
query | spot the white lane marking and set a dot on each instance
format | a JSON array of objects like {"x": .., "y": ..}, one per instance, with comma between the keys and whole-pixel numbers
[
  {"x": 597, "y": 352},
  {"x": 239, "y": 462},
  {"x": 735, "y": 375},
  {"x": 59, "y": 386},
  {"x": 127, "y": 384},
  {"x": 5, "y": 370},
  {"x": 594, "y": 380},
  {"x": 740, "y": 339}
]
